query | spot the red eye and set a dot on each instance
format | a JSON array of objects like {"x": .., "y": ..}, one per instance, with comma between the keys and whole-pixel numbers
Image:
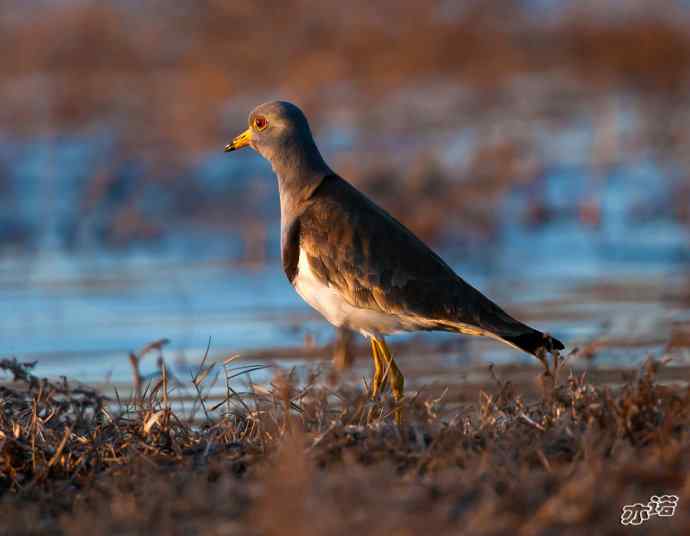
[{"x": 260, "y": 123}]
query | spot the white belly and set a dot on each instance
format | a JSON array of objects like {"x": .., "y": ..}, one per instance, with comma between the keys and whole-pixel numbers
[{"x": 328, "y": 301}]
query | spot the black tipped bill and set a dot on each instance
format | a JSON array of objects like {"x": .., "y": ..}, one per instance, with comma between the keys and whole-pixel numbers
[{"x": 240, "y": 141}]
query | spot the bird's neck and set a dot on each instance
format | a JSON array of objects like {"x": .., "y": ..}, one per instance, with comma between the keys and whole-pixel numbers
[{"x": 299, "y": 170}]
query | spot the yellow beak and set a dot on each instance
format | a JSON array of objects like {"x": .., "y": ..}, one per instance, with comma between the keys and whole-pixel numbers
[{"x": 240, "y": 141}]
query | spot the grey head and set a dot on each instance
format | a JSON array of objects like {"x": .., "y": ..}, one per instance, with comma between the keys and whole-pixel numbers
[{"x": 279, "y": 132}]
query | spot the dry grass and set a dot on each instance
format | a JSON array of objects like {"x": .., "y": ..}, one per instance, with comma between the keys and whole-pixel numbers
[{"x": 309, "y": 460}]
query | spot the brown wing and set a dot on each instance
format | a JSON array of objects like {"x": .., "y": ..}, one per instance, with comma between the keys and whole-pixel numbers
[{"x": 377, "y": 263}]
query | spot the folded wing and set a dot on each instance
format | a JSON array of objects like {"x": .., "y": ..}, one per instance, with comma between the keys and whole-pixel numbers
[{"x": 376, "y": 263}]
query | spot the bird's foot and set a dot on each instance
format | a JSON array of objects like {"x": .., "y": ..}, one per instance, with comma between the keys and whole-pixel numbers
[
  {"x": 380, "y": 378},
  {"x": 378, "y": 386}
]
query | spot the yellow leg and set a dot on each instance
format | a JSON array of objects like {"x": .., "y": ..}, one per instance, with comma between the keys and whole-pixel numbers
[
  {"x": 393, "y": 372},
  {"x": 379, "y": 380}
]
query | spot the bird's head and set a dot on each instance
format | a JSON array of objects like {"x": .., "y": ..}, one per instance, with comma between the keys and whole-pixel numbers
[
  {"x": 280, "y": 133},
  {"x": 274, "y": 127}
]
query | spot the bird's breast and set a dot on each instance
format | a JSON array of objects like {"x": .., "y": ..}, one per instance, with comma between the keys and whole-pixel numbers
[
  {"x": 335, "y": 308},
  {"x": 318, "y": 293}
]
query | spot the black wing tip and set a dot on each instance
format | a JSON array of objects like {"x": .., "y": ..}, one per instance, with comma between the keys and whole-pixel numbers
[
  {"x": 534, "y": 341},
  {"x": 556, "y": 344}
]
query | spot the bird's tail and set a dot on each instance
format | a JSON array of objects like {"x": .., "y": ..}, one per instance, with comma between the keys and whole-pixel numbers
[
  {"x": 532, "y": 341},
  {"x": 488, "y": 319}
]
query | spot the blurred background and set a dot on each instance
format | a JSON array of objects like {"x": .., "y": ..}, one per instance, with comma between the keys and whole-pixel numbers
[{"x": 541, "y": 146}]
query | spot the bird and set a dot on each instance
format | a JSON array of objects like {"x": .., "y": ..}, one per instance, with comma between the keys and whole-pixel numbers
[{"x": 359, "y": 266}]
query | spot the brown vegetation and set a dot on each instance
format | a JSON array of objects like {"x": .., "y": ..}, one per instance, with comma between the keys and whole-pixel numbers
[{"x": 308, "y": 460}]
